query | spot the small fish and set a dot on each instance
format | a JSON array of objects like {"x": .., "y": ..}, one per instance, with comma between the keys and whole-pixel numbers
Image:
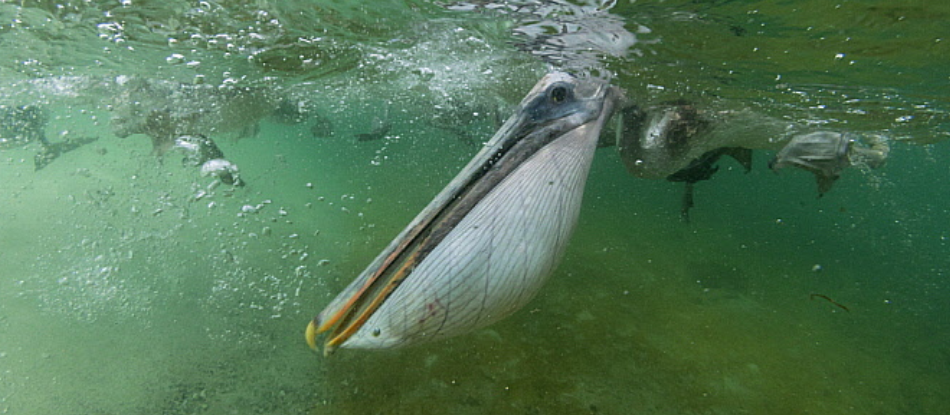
[
  {"x": 322, "y": 126},
  {"x": 812, "y": 297},
  {"x": 380, "y": 129}
]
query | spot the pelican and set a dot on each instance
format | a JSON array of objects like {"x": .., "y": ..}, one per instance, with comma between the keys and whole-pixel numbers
[{"x": 488, "y": 241}]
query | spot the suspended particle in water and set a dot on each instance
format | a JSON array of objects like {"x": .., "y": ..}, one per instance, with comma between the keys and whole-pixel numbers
[{"x": 175, "y": 58}]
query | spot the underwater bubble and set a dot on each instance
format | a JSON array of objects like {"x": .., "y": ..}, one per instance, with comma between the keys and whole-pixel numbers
[{"x": 175, "y": 59}]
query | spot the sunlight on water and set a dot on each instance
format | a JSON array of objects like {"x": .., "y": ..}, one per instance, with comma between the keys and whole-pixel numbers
[{"x": 131, "y": 283}]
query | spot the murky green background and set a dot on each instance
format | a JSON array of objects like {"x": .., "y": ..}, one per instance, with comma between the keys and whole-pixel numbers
[{"x": 121, "y": 293}]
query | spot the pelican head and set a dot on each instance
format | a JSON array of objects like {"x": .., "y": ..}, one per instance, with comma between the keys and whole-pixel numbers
[{"x": 488, "y": 241}]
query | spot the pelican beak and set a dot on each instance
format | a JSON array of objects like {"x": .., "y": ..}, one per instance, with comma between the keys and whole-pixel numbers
[
  {"x": 311, "y": 335},
  {"x": 482, "y": 248}
]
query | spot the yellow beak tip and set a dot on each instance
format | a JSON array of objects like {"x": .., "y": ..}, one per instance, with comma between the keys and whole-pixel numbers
[{"x": 311, "y": 335}]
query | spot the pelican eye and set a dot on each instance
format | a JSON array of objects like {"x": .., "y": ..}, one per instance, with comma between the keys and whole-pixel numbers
[
  {"x": 377, "y": 332},
  {"x": 558, "y": 94}
]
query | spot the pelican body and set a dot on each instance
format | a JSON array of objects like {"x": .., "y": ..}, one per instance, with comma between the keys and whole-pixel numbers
[{"x": 488, "y": 241}]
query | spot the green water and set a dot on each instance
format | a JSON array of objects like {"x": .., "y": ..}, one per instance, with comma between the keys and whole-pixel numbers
[{"x": 123, "y": 293}]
